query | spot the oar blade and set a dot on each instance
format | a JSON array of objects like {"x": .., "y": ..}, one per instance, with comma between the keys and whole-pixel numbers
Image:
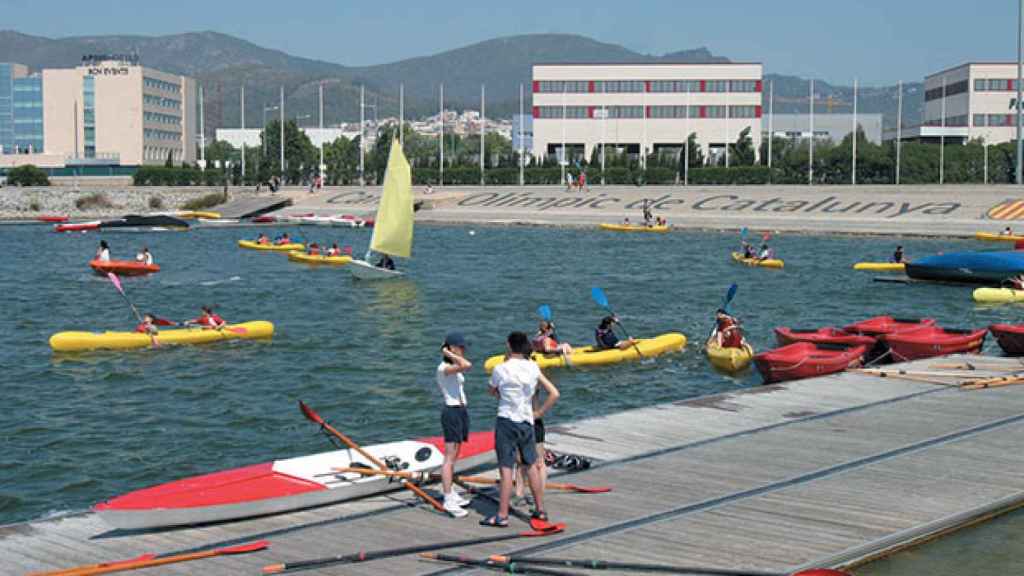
[
  {"x": 729, "y": 295},
  {"x": 589, "y": 489},
  {"x": 116, "y": 282},
  {"x": 599, "y": 297},
  {"x": 309, "y": 413},
  {"x": 548, "y": 530},
  {"x": 245, "y": 548},
  {"x": 544, "y": 311}
]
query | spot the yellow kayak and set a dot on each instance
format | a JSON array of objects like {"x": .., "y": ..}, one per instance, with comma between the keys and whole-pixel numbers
[
  {"x": 769, "y": 263},
  {"x": 192, "y": 214},
  {"x": 590, "y": 356},
  {"x": 250, "y": 245},
  {"x": 990, "y": 237},
  {"x": 730, "y": 360},
  {"x": 634, "y": 228},
  {"x": 83, "y": 341},
  {"x": 297, "y": 256},
  {"x": 998, "y": 295},
  {"x": 880, "y": 266}
]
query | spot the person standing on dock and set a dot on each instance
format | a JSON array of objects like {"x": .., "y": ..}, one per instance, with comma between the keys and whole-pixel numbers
[
  {"x": 454, "y": 416},
  {"x": 514, "y": 382}
]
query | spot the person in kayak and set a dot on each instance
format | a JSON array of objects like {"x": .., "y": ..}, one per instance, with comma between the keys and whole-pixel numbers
[
  {"x": 262, "y": 239},
  {"x": 545, "y": 341},
  {"x": 145, "y": 257},
  {"x": 284, "y": 239},
  {"x": 334, "y": 250},
  {"x": 314, "y": 249},
  {"x": 1016, "y": 282},
  {"x": 454, "y": 416},
  {"x": 766, "y": 253},
  {"x": 386, "y": 262},
  {"x": 1006, "y": 232},
  {"x": 103, "y": 252},
  {"x": 728, "y": 333},
  {"x": 748, "y": 250},
  {"x": 607, "y": 339},
  {"x": 897, "y": 256},
  {"x": 208, "y": 319},
  {"x": 148, "y": 325},
  {"x": 514, "y": 382}
]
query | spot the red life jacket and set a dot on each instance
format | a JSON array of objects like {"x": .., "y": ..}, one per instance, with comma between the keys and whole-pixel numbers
[{"x": 731, "y": 335}]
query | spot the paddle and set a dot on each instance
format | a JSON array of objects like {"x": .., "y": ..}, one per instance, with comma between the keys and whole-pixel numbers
[
  {"x": 422, "y": 476},
  {"x": 147, "y": 560},
  {"x": 364, "y": 556},
  {"x": 117, "y": 284},
  {"x": 517, "y": 564},
  {"x": 729, "y": 295},
  {"x": 544, "y": 311},
  {"x": 601, "y": 300},
  {"x": 491, "y": 563},
  {"x": 314, "y": 417}
]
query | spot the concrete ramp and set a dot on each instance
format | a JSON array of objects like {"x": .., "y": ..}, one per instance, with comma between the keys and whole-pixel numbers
[{"x": 252, "y": 206}]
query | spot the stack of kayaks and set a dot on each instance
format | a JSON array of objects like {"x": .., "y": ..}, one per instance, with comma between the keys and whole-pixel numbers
[
  {"x": 85, "y": 341},
  {"x": 297, "y": 256},
  {"x": 766, "y": 263},
  {"x": 930, "y": 341},
  {"x": 252, "y": 245},
  {"x": 807, "y": 360},
  {"x": 282, "y": 485},
  {"x": 634, "y": 228},
  {"x": 1010, "y": 338},
  {"x": 883, "y": 325},
  {"x": 880, "y": 266},
  {"x": 829, "y": 335},
  {"x": 997, "y": 295},
  {"x": 123, "y": 267},
  {"x": 727, "y": 359},
  {"x": 592, "y": 356}
]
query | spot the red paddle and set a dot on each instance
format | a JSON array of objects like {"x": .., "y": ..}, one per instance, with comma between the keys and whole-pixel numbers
[{"x": 149, "y": 560}]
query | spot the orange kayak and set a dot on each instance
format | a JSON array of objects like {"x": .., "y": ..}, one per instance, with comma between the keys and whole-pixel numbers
[{"x": 123, "y": 267}]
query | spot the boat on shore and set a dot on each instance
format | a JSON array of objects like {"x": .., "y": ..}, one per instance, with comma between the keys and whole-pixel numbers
[
  {"x": 882, "y": 325},
  {"x": 656, "y": 229},
  {"x": 807, "y": 360},
  {"x": 991, "y": 237},
  {"x": 1010, "y": 338},
  {"x": 931, "y": 341}
]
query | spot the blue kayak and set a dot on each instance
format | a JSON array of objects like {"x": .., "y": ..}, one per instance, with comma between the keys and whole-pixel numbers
[{"x": 969, "y": 267}]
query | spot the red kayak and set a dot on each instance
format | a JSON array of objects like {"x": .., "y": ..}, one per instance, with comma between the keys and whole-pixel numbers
[
  {"x": 786, "y": 336},
  {"x": 1010, "y": 338},
  {"x": 806, "y": 360},
  {"x": 880, "y": 325},
  {"x": 932, "y": 341},
  {"x": 282, "y": 485},
  {"x": 123, "y": 267},
  {"x": 77, "y": 226},
  {"x": 52, "y": 219},
  {"x": 264, "y": 219}
]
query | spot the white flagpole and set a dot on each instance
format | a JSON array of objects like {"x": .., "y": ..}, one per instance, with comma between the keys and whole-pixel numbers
[
  {"x": 202, "y": 133},
  {"x": 899, "y": 128},
  {"x": 643, "y": 113},
  {"x": 727, "y": 135},
  {"x": 853, "y": 173},
  {"x": 942, "y": 135},
  {"x": 282, "y": 135},
  {"x": 242, "y": 122},
  {"x": 771, "y": 127},
  {"x": 604, "y": 126},
  {"x": 401, "y": 115},
  {"x": 483, "y": 130},
  {"x": 522, "y": 139},
  {"x": 321, "y": 170},
  {"x": 810, "y": 155},
  {"x": 362, "y": 135},
  {"x": 564, "y": 160},
  {"x": 440, "y": 172},
  {"x": 686, "y": 139}
]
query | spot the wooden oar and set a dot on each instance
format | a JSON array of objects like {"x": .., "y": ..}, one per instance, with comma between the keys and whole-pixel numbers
[
  {"x": 424, "y": 477},
  {"x": 992, "y": 382},
  {"x": 148, "y": 560},
  {"x": 313, "y": 416},
  {"x": 519, "y": 564},
  {"x": 898, "y": 376},
  {"x": 364, "y": 556},
  {"x": 500, "y": 566}
]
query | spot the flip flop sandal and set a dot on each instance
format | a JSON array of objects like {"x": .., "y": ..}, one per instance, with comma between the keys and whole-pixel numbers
[{"x": 495, "y": 522}]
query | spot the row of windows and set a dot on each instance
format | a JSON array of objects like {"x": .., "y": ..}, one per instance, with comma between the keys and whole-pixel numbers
[
  {"x": 161, "y": 101},
  {"x": 161, "y": 85},
  {"x": 159, "y": 118},
  {"x": 628, "y": 112},
  {"x": 949, "y": 90},
  {"x": 630, "y": 86},
  {"x": 155, "y": 134},
  {"x": 995, "y": 85},
  {"x": 23, "y": 87},
  {"x": 88, "y": 112},
  {"x": 995, "y": 120},
  {"x": 28, "y": 104},
  {"x": 159, "y": 153}
]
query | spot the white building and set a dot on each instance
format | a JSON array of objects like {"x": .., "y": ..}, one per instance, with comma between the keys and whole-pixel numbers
[
  {"x": 251, "y": 136},
  {"x": 832, "y": 127},
  {"x": 650, "y": 107}
]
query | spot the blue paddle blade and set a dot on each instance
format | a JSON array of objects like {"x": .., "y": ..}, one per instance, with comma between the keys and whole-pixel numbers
[
  {"x": 598, "y": 295},
  {"x": 743, "y": 231},
  {"x": 544, "y": 311},
  {"x": 729, "y": 295}
]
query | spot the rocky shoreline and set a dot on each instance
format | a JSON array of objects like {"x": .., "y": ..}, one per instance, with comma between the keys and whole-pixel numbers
[{"x": 101, "y": 202}]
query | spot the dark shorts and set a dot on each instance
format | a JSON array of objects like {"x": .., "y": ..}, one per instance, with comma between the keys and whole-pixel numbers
[
  {"x": 455, "y": 424},
  {"x": 538, "y": 430},
  {"x": 512, "y": 439}
]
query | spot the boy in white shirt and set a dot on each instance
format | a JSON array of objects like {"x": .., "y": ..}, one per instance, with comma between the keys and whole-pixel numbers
[
  {"x": 514, "y": 382},
  {"x": 454, "y": 416}
]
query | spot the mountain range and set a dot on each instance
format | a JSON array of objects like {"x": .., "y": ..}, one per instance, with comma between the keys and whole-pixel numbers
[{"x": 223, "y": 63}]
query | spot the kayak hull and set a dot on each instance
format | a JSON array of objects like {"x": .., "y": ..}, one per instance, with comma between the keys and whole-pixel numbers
[
  {"x": 881, "y": 266},
  {"x": 768, "y": 263},
  {"x": 634, "y": 228},
  {"x": 990, "y": 237},
  {"x": 363, "y": 270},
  {"x": 968, "y": 267},
  {"x": 78, "y": 341},
  {"x": 1010, "y": 338},
  {"x": 728, "y": 360},
  {"x": 123, "y": 267},
  {"x": 997, "y": 295},
  {"x": 281, "y": 485},
  {"x": 296, "y": 256},
  {"x": 807, "y": 360},
  {"x": 934, "y": 341},
  {"x": 77, "y": 226},
  {"x": 590, "y": 356},
  {"x": 251, "y": 245},
  {"x": 881, "y": 325},
  {"x": 786, "y": 336}
]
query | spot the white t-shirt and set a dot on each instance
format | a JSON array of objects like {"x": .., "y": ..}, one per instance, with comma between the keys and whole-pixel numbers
[
  {"x": 516, "y": 381},
  {"x": 451, "y": 386},
  {"x": 104, "y": 255}
]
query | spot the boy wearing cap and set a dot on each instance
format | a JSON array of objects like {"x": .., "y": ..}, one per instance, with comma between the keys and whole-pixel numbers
[{"x": 454, "y": 416}]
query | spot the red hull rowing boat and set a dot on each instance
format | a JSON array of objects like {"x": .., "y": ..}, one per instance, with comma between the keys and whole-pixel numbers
[
  {"x": 806, "y": 360},
  {"x": 931, "y": 341},
  {"x": 880, "y": 325}
]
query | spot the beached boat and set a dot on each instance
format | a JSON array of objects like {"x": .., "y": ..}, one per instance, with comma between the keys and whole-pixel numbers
[
  {"x": 1010, "y": 338},
  {"x": 81, "y": 341},
  {"x": 728, "y": 360},
  {"x": 282, "y": 485},
  {"x": 635, "y": 228},
  {"x": 931, "y": 341},
  {"x": 766, "y": 263},
  {"x": 392, "y": 232},
  {"x": 807, "y": 360},
  {"x": 828, "y": 335},
  {"x": 77, "y": 226},
  {"x": 990, "y": 237},
  {"x": 593, "y": 356}
]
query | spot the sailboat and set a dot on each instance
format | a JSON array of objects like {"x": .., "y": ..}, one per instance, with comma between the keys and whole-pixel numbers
[{"x": 392, "y": 230}]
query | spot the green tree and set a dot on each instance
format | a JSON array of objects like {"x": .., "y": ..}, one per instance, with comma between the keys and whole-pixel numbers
[
  {"x": 742, "y": 152},
  {"x": 300, "y": 156},
  {"x": 27, "y": 175}
]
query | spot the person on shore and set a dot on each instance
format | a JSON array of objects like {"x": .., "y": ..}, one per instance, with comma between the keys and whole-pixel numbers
[
  {"x": 897, "y": 256},
  {"x": 582, "y": 181},
  {"x": 454, "y": 416},
  {"x": 386, "y": 262},
  {"x": 208, "y": 319},
  {"x": 728, "y": 333},
  {"x": 541, "y": 465},
  {"x": 568, "y": 181},
  {"x": 514, "y": 382},
  {"x": 648, "y": 216},
  {"x": 262, "y": 239},
  {"x": 607, "y": 339},
  {"x": 103, "y": 252},
  {"x": 545, "y": 341},
  {"x": 145, "y": 257},
  {"x": 429, "y": 189}
]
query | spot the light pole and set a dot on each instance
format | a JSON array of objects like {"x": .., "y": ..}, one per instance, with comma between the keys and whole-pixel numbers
[
  {"x": 1020, "y": 77},
  {"x": 264, "y": 137},
  {"x": 281, "y": 110}
]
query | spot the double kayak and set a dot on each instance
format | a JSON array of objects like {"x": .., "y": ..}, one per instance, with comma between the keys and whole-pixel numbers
[
  {"x": 1010, "y": 338},
  {"x": 593, "y": 356},
  {"x": 729, "y": 360},
  {"x": 997, "y": 295},
  {"x": 195, "y": 214},
  {"x": 282, "y": 485},
  {"x": 123, "y": 267},
  {"x": 766, "y": 263},
  {"x": 634, "y": 228},
  {"x": 931, "y": 341},
  {"x": 297, "y": 256},
  {"x": 990, "y": 237},
  {"x": 80, "y": 341},
  {"x": 881, "y": 266},
  {"x": 252, "y": 245},
  {"x": 807, "y": 360}
]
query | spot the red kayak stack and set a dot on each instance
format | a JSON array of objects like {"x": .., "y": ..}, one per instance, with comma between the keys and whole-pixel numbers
[
  {"x": 830, "y": 335},
  {"x": 123, "y": 267},
  {"x": 929, "y": 341},
  {"x": 1010, "y": 338},
  {"x": 807, "y": 359},
  {"x": 883, "y": 325}
]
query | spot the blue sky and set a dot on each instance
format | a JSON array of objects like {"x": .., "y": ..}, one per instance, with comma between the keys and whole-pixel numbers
[{"x": 879, "y": 41}]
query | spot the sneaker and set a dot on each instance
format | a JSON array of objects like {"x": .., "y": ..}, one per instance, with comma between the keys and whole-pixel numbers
[
  {"x": 458, "y": 499},
  {"x": 451, "y": 507}
]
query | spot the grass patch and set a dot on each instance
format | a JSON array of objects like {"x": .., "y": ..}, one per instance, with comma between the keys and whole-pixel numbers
[
  {"x": 205, "y": 201},
  {"x": 96, "y": 200}
]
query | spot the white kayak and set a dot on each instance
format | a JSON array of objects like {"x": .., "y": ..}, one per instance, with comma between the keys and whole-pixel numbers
[
  {"x": 335, "y": 221},
  {"x": 363, "y": 270},
  {"x": 281, "y": 485},
  {"x": 219, "y": 221}
]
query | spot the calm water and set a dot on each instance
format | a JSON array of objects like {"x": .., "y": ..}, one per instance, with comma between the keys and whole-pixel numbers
[{"x": 75, "y": 430}]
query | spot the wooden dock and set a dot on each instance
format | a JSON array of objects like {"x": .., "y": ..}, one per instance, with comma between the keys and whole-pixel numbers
[{"x": 821, "y": 472}]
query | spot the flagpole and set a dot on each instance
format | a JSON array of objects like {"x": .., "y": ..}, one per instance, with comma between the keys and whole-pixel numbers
[
  {"x": 810, "y": 141},
  {"x": 942, "y": 135},
  {"x": 401, "y": 116},
  {"x": 771, "y": 128},
  {"x": 1020, "y": 78},
  {"x": 853, "y": 173},
  {"x": 686, "y": 138},
  {"x": 440, "y": 172},
  {"x": 483, "y": 130},
  {"x": 362, "y": 136},
  {"x": 563, "y": 160},
  {"x": 321, "y": 171},
  {"x": 242, "y": 122},
  {"x": 899, "y": 128},
  {"x": 522, "y": 141}
]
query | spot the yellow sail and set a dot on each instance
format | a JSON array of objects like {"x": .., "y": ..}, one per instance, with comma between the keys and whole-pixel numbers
[{"x": 392, "y": 230}]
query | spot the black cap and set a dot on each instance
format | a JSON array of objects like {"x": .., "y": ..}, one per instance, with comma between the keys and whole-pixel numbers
[{"x": 455, "y": 339}]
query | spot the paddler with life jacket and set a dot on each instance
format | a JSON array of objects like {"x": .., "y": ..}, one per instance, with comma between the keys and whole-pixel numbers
[
  {"x": 897, "y": 256},
  {"x": 606, "y": 338},
  {"x": 262, "y": 239},
  {"x": 748, "y": 250},
  {"x": 148, "y": 325},
  {"x": 545, "y": 341},
  {"x": 728, "y": 333},
  {"x": 103, "y": 252},
  {"x": 766, "y": 253},
  {"x": 208, "y": 319},
  {"x": 334, "y": 250},
  {"x": 284, "y": 239},
  {"x": 314, "y": 249}
]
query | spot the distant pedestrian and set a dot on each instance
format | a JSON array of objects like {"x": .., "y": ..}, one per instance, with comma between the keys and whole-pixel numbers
[
  {"x": 429, "y": 190},
  {"x": 583, "y": 182},
  {"x": 568, "y": 181}
]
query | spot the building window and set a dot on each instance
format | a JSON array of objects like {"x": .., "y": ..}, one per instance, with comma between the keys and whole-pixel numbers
[
  {"x": 714, "y": 111},
  {"x": 157, "y": 84},
  {"x": 979, "y": 120},
  {"x": 717, "y": 86},
  {"x": 89, "y": 115},
  {"x": 743, "y": 86},
  {"x": 742, "y": 111},
  {"x": 570, "y": 86},
  {"x": 625, "y": 112},
  {"x": 619, "y": 86}
]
